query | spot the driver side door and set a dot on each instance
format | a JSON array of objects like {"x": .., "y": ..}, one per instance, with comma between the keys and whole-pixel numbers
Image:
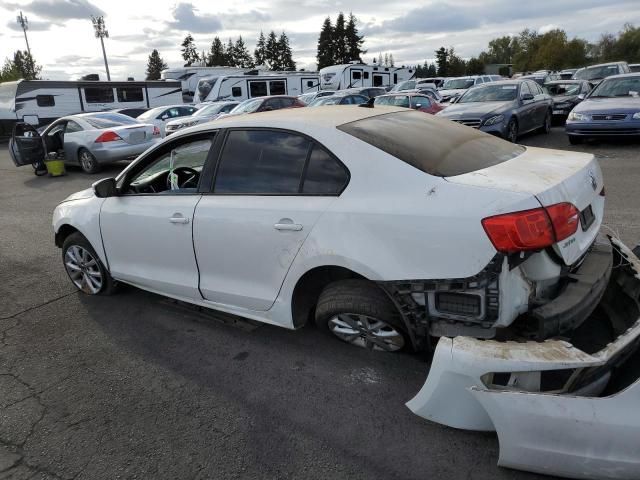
[
  {"x": 147, "y": 228},
  {"x": 25, "y": 145}
]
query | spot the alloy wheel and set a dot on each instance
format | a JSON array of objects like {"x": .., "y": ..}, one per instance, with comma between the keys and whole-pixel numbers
[
  {"x": 513, "y": 131},
  {"x": 83, "y": 269},
  {"x": 87, "y": 161},
  {"x": 366, "y": 331}
]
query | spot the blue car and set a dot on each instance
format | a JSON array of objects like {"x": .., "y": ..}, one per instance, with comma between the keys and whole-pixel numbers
[{"x": 612, "y": 109}]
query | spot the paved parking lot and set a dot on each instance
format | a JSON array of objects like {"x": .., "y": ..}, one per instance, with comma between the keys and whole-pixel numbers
[{"x": 134, "y": 386}]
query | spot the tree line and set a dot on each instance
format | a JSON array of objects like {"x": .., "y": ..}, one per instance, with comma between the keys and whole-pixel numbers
[
  {"x": 22, "y": 65},
  {"x": 340, "y": 43},
  {"x": 529, "y": 51}
]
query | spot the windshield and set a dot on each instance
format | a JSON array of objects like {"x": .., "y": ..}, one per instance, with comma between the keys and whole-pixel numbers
[
  {"x": 458, "y": 83},
  {"x": 393, "y": 100},
  {"x": 108, "y": 120},
  {"x": 557, "y": 89},
  {"x": 205, "y": 85},
  {"x": 618, "y": 87},
  {"x": 406, "y": 85},
  {"x": 332, "y": 100},
  {"x": 150, "y": 113},
  {"x": 434, "y": 145},
  {"x": 595, "y": 73},
  {"x": 208, "y": 110},
  {"x": 248, "y": 106},
  {"x": 490, "y": 93}
]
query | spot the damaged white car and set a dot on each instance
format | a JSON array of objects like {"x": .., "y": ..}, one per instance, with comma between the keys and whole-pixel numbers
[{"x": 390, "y": 229}]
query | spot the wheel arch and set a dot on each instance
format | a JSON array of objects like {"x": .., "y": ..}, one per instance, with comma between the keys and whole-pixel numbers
[{"x": 63, "y": 232}]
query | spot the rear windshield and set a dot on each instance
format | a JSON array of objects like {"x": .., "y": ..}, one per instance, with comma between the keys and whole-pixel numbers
[
  {"x": 434, "y": 145},
  {"x": 108, "y": 120}
]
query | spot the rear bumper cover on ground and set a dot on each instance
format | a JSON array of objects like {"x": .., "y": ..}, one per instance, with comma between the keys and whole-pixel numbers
[{"x": 563, "y": 431}]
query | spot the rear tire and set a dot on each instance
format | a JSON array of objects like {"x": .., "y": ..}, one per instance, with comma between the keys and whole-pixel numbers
[
  {"x": 573, "y": 140},
  {"x": 82, "y": 264},
  {"x": 359, "y": 313},
  {"x": 88, "y": 162}
]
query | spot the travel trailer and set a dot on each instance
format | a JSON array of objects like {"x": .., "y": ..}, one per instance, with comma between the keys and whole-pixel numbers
[
  {"x": 338, "y": 77},
  {"x": 39, "y": 102},
  {"x": 190, "y": 76},
  {"x": 253, "y": 84}
]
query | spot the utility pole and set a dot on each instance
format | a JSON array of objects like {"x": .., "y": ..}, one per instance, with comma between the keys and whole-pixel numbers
[
  {"x": 101, "y": 33},
  {"x": 22, "y": 20}
]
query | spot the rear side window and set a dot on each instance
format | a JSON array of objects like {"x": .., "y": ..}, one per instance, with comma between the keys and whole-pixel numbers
[
  {"x": 261, "y": 162},
  {"x": 45, "y": 100},
  {"x": 98, "y": 94},
  {"x": 108, "y": 120},
  {"x": 324, "y": 175},
  {"x": 434, "y": 145}
]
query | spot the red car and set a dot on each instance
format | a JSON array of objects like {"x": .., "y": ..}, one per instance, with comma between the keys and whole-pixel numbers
[
  {"x": 265, "y": 104},
  {"x": 417, "y": 101}
]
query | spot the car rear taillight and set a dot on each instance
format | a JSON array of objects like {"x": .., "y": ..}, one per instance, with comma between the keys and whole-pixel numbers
[
  {"x": 108, "y": 136},
  {"x": 532, "y": 229},
  {"x": 156, "y": 131}
]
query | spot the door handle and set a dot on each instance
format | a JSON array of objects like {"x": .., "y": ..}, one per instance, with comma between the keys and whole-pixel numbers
[
  {"x": 178, "y": 218},
  {"x": 287, "y": 224}
]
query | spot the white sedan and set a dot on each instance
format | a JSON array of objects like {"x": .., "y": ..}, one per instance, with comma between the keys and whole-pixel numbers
[
  {"x": 160, "y": 116},
  {"x": 386, "y": 227}
]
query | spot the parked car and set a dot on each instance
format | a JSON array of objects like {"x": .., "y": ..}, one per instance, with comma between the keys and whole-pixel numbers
[
  {"x": 437, "y": 81},
  {"x": 413, "y": 84},
  {"x": 341, "y": 97},
  {"x": 567, "y": 73},
  {"x": 539, "y": 77},
  {"x": 369, "y": 92},
  {"x": 596, "y": 73},
  {"x": 566, "y": 94},
  {"x": 612, "y": 109},
  {"x": 414, "y": 100},
  {"x": 307, "y": 98},
  {"x": 264, "y": 104},
  {"x": 507, "y": 109},
  {"x": 89, "y": 140},
  {"x": 131, "y": 112},
  {"x": 454, "y": 87},
  {"x": 634, "y": 67},
  {"x": 388, "y": 227},
  {"x": 159, "y": 116},
  {"x": 205, "y": 113}
]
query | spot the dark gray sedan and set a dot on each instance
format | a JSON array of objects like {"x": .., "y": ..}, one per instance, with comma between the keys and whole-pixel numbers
[
  {"x": 566, "y": 94},
  {"x": 506, "y": 108}
]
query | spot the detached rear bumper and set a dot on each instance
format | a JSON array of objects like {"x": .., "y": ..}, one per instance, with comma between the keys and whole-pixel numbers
[{"x": 542, "y": 397}]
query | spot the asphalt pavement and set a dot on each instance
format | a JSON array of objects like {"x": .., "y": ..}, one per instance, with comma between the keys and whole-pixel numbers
[{"x": 136, "y": 386}]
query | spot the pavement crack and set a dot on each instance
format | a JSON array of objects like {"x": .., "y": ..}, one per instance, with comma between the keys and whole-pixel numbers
[{"x": 34, "y": 307}]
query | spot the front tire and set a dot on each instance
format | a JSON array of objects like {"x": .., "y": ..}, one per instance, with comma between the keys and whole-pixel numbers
[
  {"x": 512, "y": 130},
  {"x": 359, "y": 313},
  {"x": 573, "y": 140},
  {"x": 546, "y": 126},
  {"x": 82, "y": 264},
  {"x": 88, "y": 162}
]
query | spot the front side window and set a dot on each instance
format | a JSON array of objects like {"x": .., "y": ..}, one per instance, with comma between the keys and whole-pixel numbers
[
  {"x": 130, "y": 94},
  {"x": 261, "y": 162},
  {"x": 98, "y": 94},
  {"x": 176, "y": 170},
  {"x": 45, "y": 100}
]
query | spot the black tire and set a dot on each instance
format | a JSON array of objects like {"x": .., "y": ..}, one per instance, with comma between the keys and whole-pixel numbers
[
  {"x": 88, "y": 162},
  {"x": 573, "y": 140},
  {"x": 107, "y": 284},
  {"x": 362, "y": 304},
  {"x": 546, "y": 126},
  {"x": 39, "y": 169},
  {"x": 512, "y": 130}
]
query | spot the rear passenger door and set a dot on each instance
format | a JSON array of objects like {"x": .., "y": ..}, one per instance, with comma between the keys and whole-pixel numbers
[{"x": 270, "y": 188}]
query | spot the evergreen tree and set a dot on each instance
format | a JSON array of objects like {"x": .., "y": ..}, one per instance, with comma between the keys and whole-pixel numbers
[
  {"x": 339, "y": 41},
  {"x": 380, "y": 62},
  {"x": 189, "y": 53},
  {"x": 354, "y": 40},
  {"x": 261, "y": 49},
  {"x": 325, "y": 53},
  {"x": 155, "y": 65},
  {"x": 241, "y": 54},
  {"x": 442, "y": 62},
  {"x": 432, "y": 71},
  {"x": 386, "y": 59},
  {"x": 456, "y": 66},
  {"x": 216, "y": 55},
  {"x": 25, "y": 66},
  {"x": 391, "y": 59},
  {"x": 230, "y": 54},
  {"x": 284, "y": 53},
  {"x": 272, "y": 51}
]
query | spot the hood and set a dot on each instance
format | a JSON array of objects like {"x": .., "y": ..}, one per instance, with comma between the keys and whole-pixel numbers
[
  {"x": 82, "y": 194},
  {"x": 475, "y": 109},
  {"x": 609, "y": 105}
]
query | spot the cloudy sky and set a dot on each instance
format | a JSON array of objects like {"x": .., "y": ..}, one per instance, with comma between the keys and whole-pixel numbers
[{"x": 61, "y": 35}]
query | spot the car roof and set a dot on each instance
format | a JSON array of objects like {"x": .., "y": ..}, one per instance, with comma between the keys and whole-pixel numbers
[
  {"x": 623, "y": 75},
  {"x": 568, "y": 80},
  {"x": 603, "y": 64}
]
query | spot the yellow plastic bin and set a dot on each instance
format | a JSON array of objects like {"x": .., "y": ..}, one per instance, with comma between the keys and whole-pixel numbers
[{"x": 55, "y": 167}]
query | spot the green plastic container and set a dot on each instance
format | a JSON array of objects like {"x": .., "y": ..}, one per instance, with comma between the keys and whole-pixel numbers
[{"x": 55, "y": 167}]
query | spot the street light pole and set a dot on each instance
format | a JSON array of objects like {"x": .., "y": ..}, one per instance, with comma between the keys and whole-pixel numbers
[
  {"x": 22, "y": 20},
  {"x": 101, "y": 33}
]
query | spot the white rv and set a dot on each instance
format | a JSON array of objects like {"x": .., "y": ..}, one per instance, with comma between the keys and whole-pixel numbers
[
  {"x": 190, "y": 76},
  {"x": 351, "y": 75},
  {"x": 250, "y": 85},
  {"x": 39, "y": 102}
]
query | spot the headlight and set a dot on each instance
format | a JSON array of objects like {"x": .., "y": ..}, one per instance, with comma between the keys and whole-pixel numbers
[
  {"x": 493, "y": 120},
  {"x": 578, "y": 117},
  {"x": 636, "y": 116},
  {"x": 190, "y": 124}
]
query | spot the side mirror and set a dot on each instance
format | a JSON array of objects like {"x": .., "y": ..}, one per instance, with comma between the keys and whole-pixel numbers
[
  {"x": 105, "y": 188},
  {"x": 582, "y": 96},
  {"x": 164, "y": 117},
  {"x": 526, "y": 97}
]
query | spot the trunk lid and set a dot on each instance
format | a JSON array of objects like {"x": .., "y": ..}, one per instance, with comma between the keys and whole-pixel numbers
[
  {"x": 552, "y": 176},
  {"x": 135, "y": 134}
]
